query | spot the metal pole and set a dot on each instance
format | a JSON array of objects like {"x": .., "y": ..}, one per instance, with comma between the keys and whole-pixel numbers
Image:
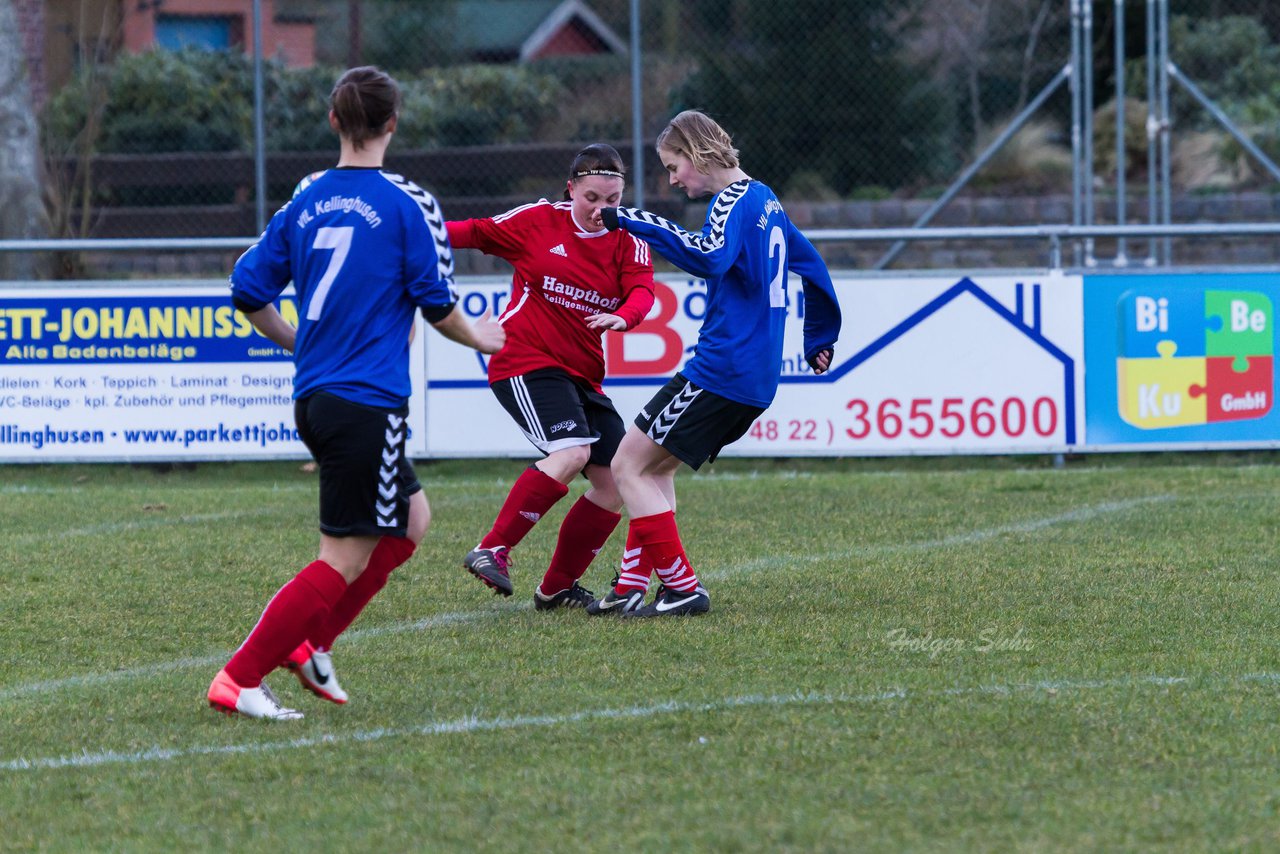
[
  {"x": 1166, "y": 129},
  {"x": 1223, "y": 119},
  {"x": 259, "y": 135},
  {"x": 1086, "y": 107},
  {"x": 355, "y": 47},
  {"x": 637, "y": 111},
  {"x": 1122, "y": 259},
  {"x": 1076, "y": 166},
  {"x": 1153, "y": 128},
  {"x": 1012, "y": 128}
]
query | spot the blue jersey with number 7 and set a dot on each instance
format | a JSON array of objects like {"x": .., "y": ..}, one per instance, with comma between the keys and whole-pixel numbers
[
  {"x": 744, "y": 251},
  {"x": 363, "y": 248}
]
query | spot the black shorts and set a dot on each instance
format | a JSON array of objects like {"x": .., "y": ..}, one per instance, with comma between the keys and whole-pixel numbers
[
  {"x": 365, "y": 477},
  {"x": 556, "y": 411},
  {"x": 693, "y": 424}
]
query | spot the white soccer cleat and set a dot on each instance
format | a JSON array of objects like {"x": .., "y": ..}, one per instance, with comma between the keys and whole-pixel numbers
[
  {"x": 314, "y": 670},
  {"x": 228, "y": 697}
]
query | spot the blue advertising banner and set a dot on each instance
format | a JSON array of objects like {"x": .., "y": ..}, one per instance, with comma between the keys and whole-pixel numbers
[
  {"x": 132, "y": 329},
  {"x": 129, "y": 372},
  {"x": 1181, "y": 359}
]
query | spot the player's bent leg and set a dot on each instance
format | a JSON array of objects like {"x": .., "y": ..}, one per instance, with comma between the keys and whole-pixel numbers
[
  {"x": 492, "y": 566},
  {"x": 639, "y": 468},
  {"x": 617, "y": 603},
  {"x": 531, "y": 496},
  {"x": 232, "y": 699},
  {"x": 673, "y": 603},
  {"x": 575, "y": 596},
  {"x": 586, "y": 528},
  {"x": 315, "y": 672}
]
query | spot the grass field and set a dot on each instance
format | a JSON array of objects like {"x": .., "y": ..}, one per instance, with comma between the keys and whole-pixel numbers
[{"x": 954, "y": 654}]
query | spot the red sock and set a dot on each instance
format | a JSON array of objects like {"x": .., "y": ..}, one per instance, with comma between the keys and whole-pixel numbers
[
  {"x": 636, "y": 568},
  {"x": 530, "y": 497},
  {"x": 659, "y": 541},
  {"x": 390, "y": 553},
  {"x": 289, "y": 618},
  {"x": 583, "y": 533}
]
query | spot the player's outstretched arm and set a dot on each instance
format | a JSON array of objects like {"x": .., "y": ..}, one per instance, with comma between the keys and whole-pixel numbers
[
  {"x": 705, "y": 254},
  {"x": 268, "y": 321},
  {"x": 606, "y": 321},
  {"x": 484, "y": 335},
  {"x": 822, "y": 310}
]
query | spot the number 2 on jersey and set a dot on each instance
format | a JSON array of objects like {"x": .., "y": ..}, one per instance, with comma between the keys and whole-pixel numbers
[
  {"x": 778, "y": 286},
  {"x": 339, "y": 240}
]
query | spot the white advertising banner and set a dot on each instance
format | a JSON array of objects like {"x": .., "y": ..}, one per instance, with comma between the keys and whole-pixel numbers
[
  {"x": 150, "y": 373},
  {"x": 925, "y": 365},
  {"x": 978, "y": 364}
]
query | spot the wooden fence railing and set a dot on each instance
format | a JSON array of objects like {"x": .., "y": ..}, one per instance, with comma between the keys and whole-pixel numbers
[{"x": 538, "y": 168}]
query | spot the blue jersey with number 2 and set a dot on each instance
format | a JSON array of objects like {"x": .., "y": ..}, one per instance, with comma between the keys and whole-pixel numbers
[
  {"x": 743, "y": 252},
  {"x": 363, "y": 248}
]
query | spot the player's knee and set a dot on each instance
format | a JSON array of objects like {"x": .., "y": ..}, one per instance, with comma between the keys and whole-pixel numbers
[
  {"x": 419, "y": 519},
  {"x": 624, "y": 468},
  {"x": 604, "y": 491},
  {"x": 565, "y": 464},
  {"x": 578, "y": 456}
]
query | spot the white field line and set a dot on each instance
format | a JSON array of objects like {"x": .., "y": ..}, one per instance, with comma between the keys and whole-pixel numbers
[
  {"x": 473, "y": 724},
  {"x": 94, "y": 679},
  {"x": 162, "y": 519},
  {"x": 159, "y": 520},
  {"x": 312, "y": 485},
  {"x": 1082, "y": 514},
  {"x": 1029, "y": 526}
]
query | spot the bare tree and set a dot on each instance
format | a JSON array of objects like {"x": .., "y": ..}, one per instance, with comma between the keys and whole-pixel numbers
[
  {"x": 973, "y": 41},
  {"x": 69, "y": 181},
  {"x": 21, "y": 211}
]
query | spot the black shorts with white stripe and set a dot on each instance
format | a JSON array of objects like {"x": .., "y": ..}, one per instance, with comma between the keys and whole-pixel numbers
[
  {"x": 365, "y": 477},
  {"x": 693, "y": 424},
  {"x": 556, "y": 410}
]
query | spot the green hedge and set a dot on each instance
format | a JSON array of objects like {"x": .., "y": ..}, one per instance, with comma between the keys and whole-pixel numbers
[{"x": 163, "y": 101}]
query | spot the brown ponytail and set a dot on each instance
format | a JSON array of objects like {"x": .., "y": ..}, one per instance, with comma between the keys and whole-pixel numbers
[{"x": 363, "y": 101}]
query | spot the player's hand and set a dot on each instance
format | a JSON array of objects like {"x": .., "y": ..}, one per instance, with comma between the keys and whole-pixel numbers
[
  {"x": 607, "y": 321},
  {"x": 489, "y": 336},
  {"x": 821, "y": 361}
]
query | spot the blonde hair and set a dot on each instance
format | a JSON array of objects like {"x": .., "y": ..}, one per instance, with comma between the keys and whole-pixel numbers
[{"x": 697, "y": 136}]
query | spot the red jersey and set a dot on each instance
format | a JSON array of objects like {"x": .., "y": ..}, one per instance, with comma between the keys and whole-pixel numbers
[{"x": 563, "y": 275}]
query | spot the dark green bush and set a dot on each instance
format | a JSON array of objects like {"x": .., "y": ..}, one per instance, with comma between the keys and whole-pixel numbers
[{"x": 191, "y": 100}]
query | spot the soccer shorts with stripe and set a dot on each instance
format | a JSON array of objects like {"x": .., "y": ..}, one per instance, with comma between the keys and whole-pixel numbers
[
  {"x": 555, "y": 411},
  {"x": 365, "y": 478},
  {"x": 694, "y": 424}
]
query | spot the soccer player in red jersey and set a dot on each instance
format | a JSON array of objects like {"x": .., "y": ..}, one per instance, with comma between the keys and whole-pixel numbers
[{"x": 573, "y": 281}]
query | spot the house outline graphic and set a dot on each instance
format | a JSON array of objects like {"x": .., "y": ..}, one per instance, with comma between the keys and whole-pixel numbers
[
  {"x": 965, "y": 285},
  {"x": 1013, "y": 318}
]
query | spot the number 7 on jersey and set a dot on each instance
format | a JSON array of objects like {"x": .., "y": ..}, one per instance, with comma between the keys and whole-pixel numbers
[{"x": 339, "y": 240}]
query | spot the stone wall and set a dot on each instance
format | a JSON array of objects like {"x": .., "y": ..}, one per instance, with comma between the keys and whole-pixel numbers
[
  {"x": 1034, "y": 210},
  {"x": 891, "y": 213}
]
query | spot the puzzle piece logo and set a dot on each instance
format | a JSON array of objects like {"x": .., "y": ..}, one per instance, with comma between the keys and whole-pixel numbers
[{"x": 1194, "y": 358}]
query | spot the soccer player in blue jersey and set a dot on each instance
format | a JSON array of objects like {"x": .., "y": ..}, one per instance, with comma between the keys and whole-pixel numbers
[
  {"x": 365, "y": 249},
  {"x": 744, "y": 251}
]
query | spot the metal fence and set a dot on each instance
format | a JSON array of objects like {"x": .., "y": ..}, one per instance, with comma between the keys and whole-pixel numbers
[{"x": 861, "y": 114}]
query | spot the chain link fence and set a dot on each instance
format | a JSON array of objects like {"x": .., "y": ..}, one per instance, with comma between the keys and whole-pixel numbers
[{"x": 860, "y": 113}]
